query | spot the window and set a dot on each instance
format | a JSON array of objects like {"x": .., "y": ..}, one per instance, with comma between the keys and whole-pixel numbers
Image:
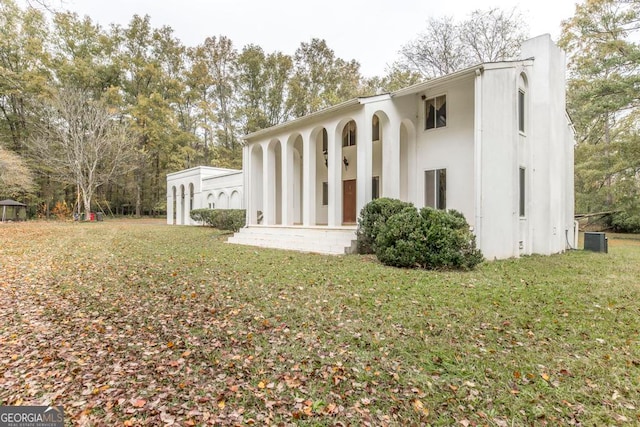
[
  {"x": 522, "y": 193},
  {"x": 375, "y": 129},
  {"x": 436, "y": 112},
  {"x": 325, "y": 193},
  {"x": 375, "y": 187},
  {"x": 349, "y": 134},
  {"x": 435, "y": 188},
  {"x": 521, "y": 111}
]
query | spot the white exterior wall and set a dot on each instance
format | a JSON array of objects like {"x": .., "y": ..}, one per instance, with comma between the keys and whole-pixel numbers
[
  {"x": 499, "y": 163},
  {"x": 450, "y": 147}
]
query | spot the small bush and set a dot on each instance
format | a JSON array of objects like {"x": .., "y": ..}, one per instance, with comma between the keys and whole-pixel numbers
[
  {"x": 61, "y": 210},
  {"x": 372, "y": 219},
  {"x": 222, "y": 219},
  {"x": 428, "y": 238}
]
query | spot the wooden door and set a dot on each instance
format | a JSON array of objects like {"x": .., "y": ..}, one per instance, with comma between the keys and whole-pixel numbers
[{"x": 349, "y": 201}]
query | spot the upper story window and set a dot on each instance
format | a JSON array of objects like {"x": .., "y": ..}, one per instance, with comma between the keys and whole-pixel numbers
[
  {"x": 349, "y": 134},
  {"x": 522, "y": 103},
  {"x": 521, "y": 106},
  {"x": 435, "y": 112}
]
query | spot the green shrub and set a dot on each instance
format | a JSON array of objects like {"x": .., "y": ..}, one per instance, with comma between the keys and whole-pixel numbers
[
  {"x": 372, "y": 219},
  {"x": 202, "y": 215},
  {"x": 430, "y": 239},
  {"x": 222, "y": 219},
  {"x": 626, "y": 222},
  {"x": 401, "y": 240}
]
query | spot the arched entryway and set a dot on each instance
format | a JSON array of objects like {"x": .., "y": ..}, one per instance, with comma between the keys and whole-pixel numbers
[
  {"x": 349, "y": 172},
  {"x": 298, "y": 202}
]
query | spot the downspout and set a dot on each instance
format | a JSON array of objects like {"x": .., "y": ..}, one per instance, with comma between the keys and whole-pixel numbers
[{"x": 478, "y": 156}]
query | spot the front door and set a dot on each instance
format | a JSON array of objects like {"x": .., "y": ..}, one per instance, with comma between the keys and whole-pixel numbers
[{"x": 349, "y": 201}]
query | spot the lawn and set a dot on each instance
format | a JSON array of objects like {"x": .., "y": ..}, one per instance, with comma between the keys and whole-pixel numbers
[{"x": 132, "y": 323}]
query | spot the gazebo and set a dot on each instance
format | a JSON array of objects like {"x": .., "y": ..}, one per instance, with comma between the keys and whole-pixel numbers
[{"x": 13, "y": 210}]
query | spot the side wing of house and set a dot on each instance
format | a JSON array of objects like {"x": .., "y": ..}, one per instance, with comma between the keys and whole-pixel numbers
[
  {"x": 525, "y": 156},
  {"x": 186, "y": 191}
]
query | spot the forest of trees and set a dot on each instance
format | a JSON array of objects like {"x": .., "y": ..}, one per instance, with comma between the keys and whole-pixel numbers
[{"x": 147, "y": 105}]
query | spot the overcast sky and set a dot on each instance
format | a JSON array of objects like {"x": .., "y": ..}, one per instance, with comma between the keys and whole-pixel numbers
[{"x": 369, "y": 31}]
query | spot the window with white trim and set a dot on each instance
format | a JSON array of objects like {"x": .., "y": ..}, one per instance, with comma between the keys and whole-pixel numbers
[
  {"x": 435, "y": 188},
  {"x": 435, "y": 110}
]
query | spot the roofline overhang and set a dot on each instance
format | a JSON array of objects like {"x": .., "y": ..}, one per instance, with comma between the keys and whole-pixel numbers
[
  {"x": 411, "y": 90},
  {"x": 309, "y": 117}
]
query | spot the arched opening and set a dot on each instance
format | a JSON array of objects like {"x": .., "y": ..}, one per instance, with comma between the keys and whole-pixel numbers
[
  {"x": 256, "y": 200},
  {"x": 320, "y": 145},
  {"x": 349, "y": 172},
  {"x": 235, "y": 201},
  {"x": 223, "y": 201},
  {"x": 211, "y": 202}
]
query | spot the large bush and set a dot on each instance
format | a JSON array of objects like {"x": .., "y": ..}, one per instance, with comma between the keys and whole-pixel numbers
[
  {"x": 626, "y": 222},
  {"x": 428, "y": 238},
  {"x": 373, "y": 218},
  {"x": 222, "y": 219}
]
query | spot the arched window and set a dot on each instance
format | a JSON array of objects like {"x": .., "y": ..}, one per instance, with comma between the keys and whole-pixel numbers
[
  {"x": 522, "y": 103},
  {"x": 349, "y": 134}
]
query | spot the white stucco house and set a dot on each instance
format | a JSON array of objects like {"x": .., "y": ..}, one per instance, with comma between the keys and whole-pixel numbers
[
  {"x": 492, "y": 141},
  {"x": 202, "y": 187}
]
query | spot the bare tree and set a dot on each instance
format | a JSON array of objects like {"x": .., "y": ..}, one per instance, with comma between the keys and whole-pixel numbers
[
  {"x": 80, "y": 141},
  {"x": 493, "y": 35},
  {"x": 437, "y": 51},
  {"x": 15, "y": 177},
  {"x": 446, "y": 46}
]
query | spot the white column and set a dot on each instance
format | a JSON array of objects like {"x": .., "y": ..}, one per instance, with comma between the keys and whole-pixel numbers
[
  {"x": 308, "y": 180},
  {"x": 287, "y": 182},
  {"x": 334, "y": 158},
  {"x": 268, "y": 184},
  {"x": 169, "y": 205},
  {"x": 364, "y": 162},
  {"x": 246, "y": 189},
  {"x": 391, "y": 158},
  {"x": 179, "y": 202}
]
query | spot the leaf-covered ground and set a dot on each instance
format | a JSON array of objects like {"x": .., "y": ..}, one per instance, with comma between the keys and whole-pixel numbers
[{"x": 146, "y": 324}]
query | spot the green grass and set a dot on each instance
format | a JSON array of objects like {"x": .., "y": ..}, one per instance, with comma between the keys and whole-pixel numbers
[{"x": 101, "y": 317}]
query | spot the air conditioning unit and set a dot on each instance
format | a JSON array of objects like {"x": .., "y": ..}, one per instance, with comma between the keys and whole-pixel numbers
[{"x": 596, "y": 242}]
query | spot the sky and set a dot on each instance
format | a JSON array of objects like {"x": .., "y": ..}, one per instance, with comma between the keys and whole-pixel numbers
[{"x": 369, "y": 31}]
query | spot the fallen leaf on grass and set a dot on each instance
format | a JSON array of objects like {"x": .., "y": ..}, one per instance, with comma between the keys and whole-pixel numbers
[{"x": 139, "y": 403}]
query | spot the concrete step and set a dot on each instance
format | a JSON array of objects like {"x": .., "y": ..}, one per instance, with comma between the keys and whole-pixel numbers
[{"x": 324, "y": 240}]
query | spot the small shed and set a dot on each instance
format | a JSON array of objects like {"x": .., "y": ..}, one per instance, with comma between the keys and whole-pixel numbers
[{"x": 13, "y": 210}]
